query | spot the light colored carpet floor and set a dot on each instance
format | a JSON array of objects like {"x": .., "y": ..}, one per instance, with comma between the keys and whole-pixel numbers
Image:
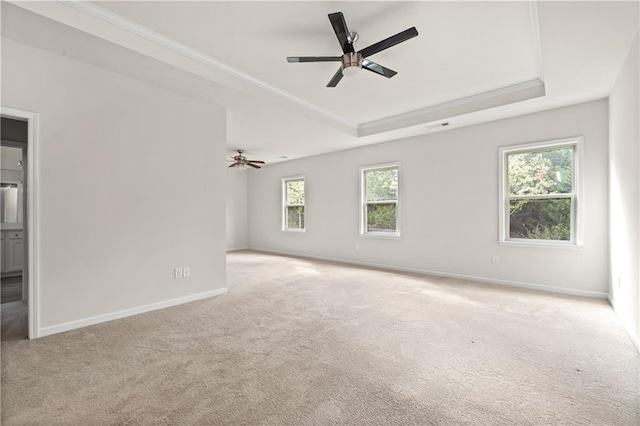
[{"x": 306, "y": 342}]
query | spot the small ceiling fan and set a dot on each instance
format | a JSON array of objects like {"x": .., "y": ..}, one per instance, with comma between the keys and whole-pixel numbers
[
  {"x": 241, "y": 161},
  {"x": 353, "y": 61}
]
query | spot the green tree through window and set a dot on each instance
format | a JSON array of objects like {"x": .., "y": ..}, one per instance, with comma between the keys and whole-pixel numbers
[
  {"x": 294, "y": 204},
  {"x": 380, "y": 201},
  {"x": 540, "y": 193}
]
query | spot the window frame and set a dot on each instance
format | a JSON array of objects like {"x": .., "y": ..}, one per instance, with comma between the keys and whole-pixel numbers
[
  {"x": 577, "y": 205},
  {"x": 285, "y": 204},
  {"x": 363, "y": 203}
]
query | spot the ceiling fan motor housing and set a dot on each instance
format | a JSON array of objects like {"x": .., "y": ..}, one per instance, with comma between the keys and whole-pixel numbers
[{"x": 351, "y": 63}]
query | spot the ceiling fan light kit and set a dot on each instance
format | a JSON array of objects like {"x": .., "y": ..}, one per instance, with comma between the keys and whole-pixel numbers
[{"x": 352, "y": 61}]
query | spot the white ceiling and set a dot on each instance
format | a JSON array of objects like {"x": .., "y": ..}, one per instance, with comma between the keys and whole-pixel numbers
[
  {"x": 233, "y": 53},
  {"x": 486, "y": 45}
]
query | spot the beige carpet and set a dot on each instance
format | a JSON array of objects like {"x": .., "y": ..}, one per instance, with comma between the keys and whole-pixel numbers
[{"x": 306, "y": 342}]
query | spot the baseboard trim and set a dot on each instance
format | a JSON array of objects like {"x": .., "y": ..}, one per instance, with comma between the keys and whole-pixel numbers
[
  {"x": 72, "y": 325},
  {"x": 530, "y": 286},
  {"x": 634, "y": 339},
  {"x": 237, "y": 249}
]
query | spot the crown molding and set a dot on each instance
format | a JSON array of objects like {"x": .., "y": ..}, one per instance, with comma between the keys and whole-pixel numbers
[
  {"x": 125, "y": 24},
  {"x": 417, "y": 117},
  {"x": 492, "y": 99},
  {"x": 535, "y": 37}
]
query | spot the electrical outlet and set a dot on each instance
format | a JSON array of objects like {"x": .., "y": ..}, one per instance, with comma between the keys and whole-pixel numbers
[
  {"x": 495, "y": 260},
  {"x": 177, "y": 272},
  {"x": 186, "y": 272}
]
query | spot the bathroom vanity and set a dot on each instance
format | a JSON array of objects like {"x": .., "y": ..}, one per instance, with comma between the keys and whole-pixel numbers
[{"x": 11, "y": 228}]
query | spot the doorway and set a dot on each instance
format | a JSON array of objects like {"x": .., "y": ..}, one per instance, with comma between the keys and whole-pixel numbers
[
  {"x": 18, "y": 221},
  {"x": 12, "y": 199}
]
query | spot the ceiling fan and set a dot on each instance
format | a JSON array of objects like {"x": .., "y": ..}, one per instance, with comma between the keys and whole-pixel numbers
[
  {"x": 242, "y": 162},
  {"x": 353, "y": 61}
]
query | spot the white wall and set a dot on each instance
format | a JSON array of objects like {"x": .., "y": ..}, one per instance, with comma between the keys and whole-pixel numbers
[
  {"x": 624, "y": 166},
  {"x": 131, "y": 178},
  {"x": 449, "y": 204},
  {"x": 237, "y": 209}
]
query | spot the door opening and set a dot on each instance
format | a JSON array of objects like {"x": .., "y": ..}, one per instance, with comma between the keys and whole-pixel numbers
[
  {"x": 18, "y": 224},
  {"x": 14, "y": 291}
]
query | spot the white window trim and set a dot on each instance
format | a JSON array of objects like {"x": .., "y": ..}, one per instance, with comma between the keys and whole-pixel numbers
[
  {"x": 577, "y": 220},
  {"x": 283, "y": 185},
  {"x": 363, "y": 211}
]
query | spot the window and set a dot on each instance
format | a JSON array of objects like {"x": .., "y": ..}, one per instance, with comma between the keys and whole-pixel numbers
[
  {"x": 293, "y": 197},
  {"x": 379, "y": 203},
  {"x": 540, "y": 193}
]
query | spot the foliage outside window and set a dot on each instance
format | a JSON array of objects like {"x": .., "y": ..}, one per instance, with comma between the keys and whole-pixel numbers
[
  {"x": 380, "y": 200},
  {"x": 540, "y": 193},
  {"x": 293, "y": 191}
]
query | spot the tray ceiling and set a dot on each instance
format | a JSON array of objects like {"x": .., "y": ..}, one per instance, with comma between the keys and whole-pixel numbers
[{"x": 463, "y": 49}]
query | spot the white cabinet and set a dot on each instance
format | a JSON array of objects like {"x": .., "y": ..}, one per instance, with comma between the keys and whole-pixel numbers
[
  {"x": 15, "y": 252},
  {"x": 12, "y": 251}
]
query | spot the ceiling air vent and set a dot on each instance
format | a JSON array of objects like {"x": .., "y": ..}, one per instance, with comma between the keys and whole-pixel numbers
[{"x": 436, "y": 125}]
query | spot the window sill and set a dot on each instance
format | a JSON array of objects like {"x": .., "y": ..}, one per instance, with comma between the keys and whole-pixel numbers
[
  {"x": 528, "y": 244},
  {"x": 294, "y": 231},
  {"x": 380, "y": 235}
]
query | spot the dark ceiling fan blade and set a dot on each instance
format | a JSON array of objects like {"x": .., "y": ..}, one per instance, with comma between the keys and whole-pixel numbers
[
  {"x": 389, "y": 42},
  {"x": 233, "y": 165},
  {"x": 256, "y": 161},
  {"x": 340, "y": 28},
  {"x": 377, "y": 68},
  {"x": 336, "y": 78},
  {"x": 294, "y": 59},
  {"x": 253, "y": 165}
]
